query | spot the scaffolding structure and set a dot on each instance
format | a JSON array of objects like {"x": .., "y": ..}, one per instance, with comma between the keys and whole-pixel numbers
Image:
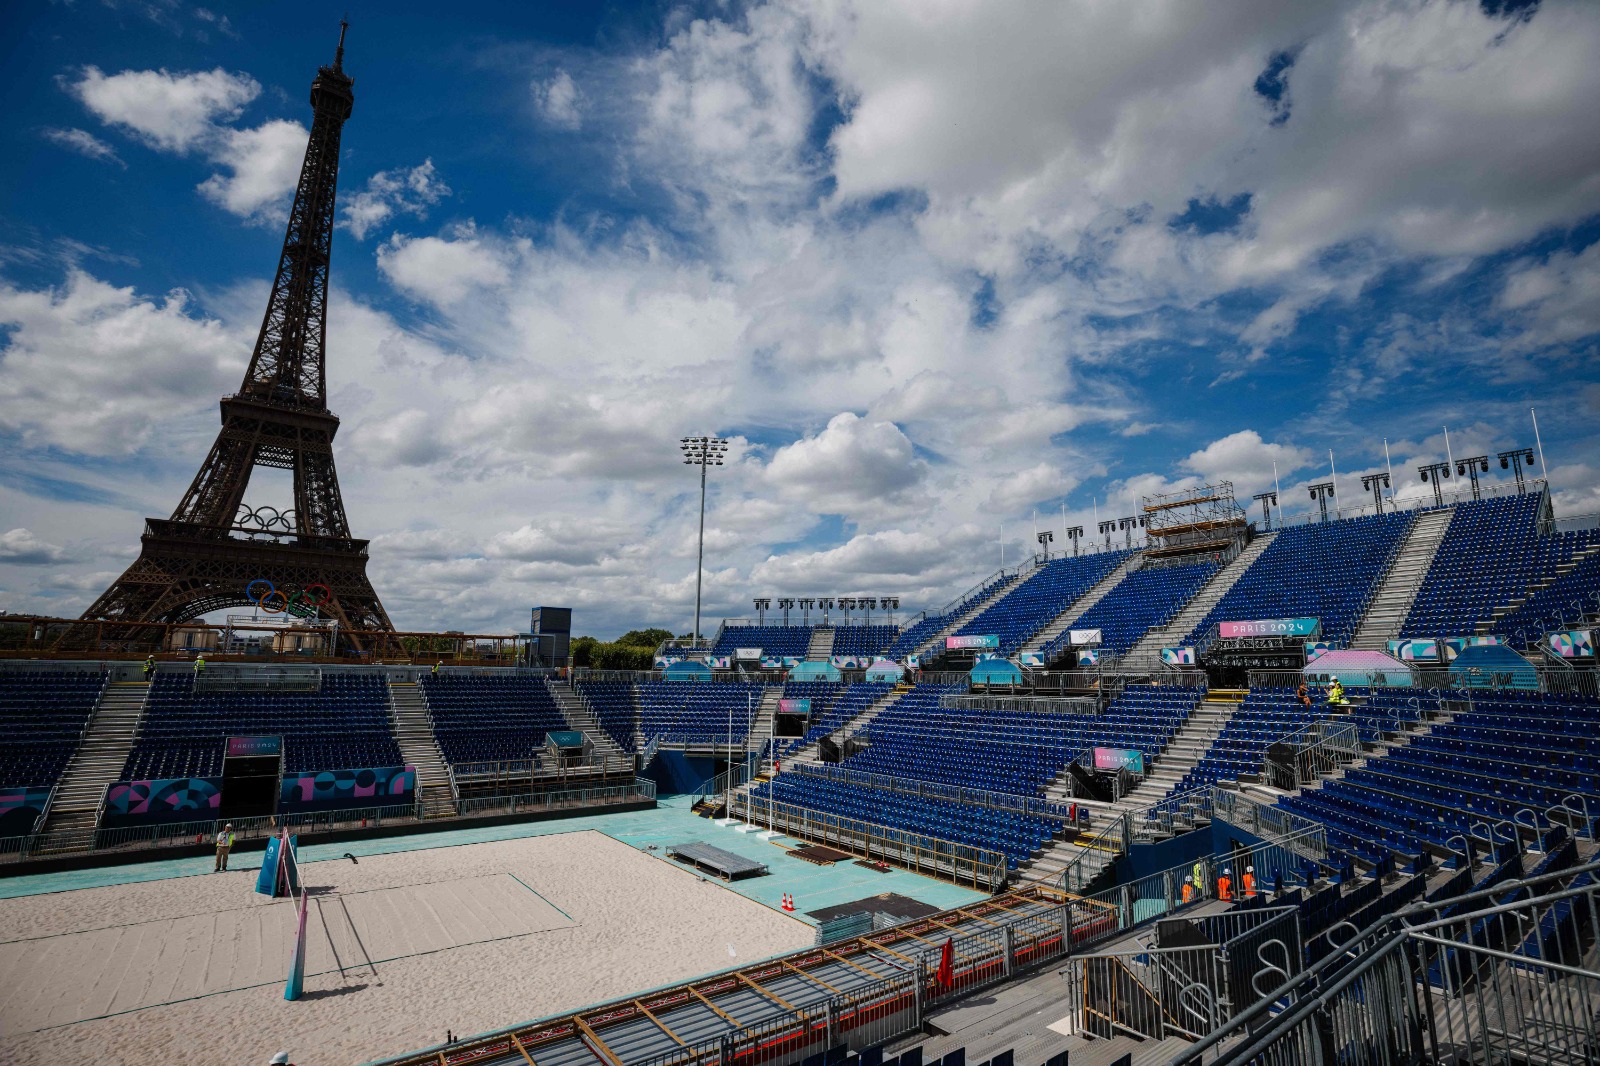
[{"x": 1200, "y": 521}]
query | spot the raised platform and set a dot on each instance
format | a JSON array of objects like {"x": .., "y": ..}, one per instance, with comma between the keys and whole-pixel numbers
[{"x": 725, "y": 864}]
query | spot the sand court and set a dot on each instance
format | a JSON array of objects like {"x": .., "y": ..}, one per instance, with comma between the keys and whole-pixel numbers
[
  {"x": 400, "y": 948},
  {"x": 98, "y": 972}
]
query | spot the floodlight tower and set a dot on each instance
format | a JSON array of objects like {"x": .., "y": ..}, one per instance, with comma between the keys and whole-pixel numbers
[
  {"x": 1045, "y": 537},
  {"x": 1433, "y": 474},
  {"x": 1471, "y": 467},
  {"x": 1377, "y": 483},
  {"x": 867, "y": 604},
  {"x": 1322, "y": 491},
  {"x": 702, "y": 451},
  {"x": 1073, "y": 534},
  {"x": 1514, "y": 460},
  {"x": 1268, "y": 500},
  {"x": 785, "y": 604},
  {"x": 826, "y": 604},
  {"x": 1106, "y": 527},
  {"x": 890, "y": 604},
  {"x": 806, "y": 603},
  {"x": 762, "y": 603},
  {"x": 1128, "y": 525},
  {"x": 845, "y": 605}
]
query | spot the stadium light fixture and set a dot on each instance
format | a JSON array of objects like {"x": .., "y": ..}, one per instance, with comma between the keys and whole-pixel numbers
[
  {"x": 1471, "y": 467},
  {"x": 1434, "y": 474},
  {"x": 762, "y": 603},
  {"x": 867, "y": 604},
  {"x": 845, "y": 605},
  {"x": 1045, "y": 537},
  {"x": 785, "y": 604},
  {"x": 1376, "y": 483},
  {"x": 1268, "y": 500},
  {"x": 826, "y": 603},
  {"x": 1515, "y": 460},
  {"x": 1073, "y": 534},
  {"x": 806, "y": 603},
  {"x": 702, "y": 452},
  {"x": 890, "y": 604},
  {"x": 1322, "y": 491},
  {"x": 1106, "y": 527}
]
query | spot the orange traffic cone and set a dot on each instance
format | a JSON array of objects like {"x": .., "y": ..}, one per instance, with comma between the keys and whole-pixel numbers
[{"x": 788, "y": 902}]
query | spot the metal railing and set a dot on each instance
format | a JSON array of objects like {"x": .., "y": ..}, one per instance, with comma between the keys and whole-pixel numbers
[
  {"x": 1082, "y": 705},
  {"x": 1156, "y": 992},
  {"x": 1495, "y": 976},
  {"x": 914, "y": 786},
  {"x": 963, "y": 864},
  {"x": 1319, "y": 748},
  {"x": 639, "y": 789}
]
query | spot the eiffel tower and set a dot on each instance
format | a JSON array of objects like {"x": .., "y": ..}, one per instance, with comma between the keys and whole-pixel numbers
[{"x": 214, "y": 548}]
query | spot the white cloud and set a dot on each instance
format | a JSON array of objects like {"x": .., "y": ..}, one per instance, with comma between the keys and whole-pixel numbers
[
  {"x": 1559, "y": 299},
  {"x": 94, "y": 369},
  {"x": 84, "y": 143},
  {"x": 20, "y": 547},
  {"x": 852, "y": 465},
  {"x": 265, "y": 164},
  {"x": 173, "y": 112},
  {"x": 392, "y": 192},
  {"x": 443, "y": 271},
  {"x": 558, "y": 101},
  {"x": 1245, "y": 459}
]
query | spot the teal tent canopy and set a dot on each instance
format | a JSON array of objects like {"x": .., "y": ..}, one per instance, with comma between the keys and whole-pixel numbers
[
  {"x": 996, "y": 672},
  {"x": 687, "y": 670},
  {"x": 884, "y": 670},
  {"x": 1493, "y": 666},
  {"x": 814, "y": 671}
]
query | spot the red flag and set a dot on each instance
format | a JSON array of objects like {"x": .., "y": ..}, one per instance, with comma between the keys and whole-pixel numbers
[{"x": 946, "y": 977}]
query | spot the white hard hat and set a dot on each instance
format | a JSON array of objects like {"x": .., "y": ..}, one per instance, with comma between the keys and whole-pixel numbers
[
  {"x": 1188, "y": 880},
  {"x": 281, "y": 1057},
  {"x": 1249, "y": 869},
  {"x": 1229, "y": 870}
]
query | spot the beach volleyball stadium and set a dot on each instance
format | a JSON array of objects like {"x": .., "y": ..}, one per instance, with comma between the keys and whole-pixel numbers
[{"x": 1223, "y": 780}]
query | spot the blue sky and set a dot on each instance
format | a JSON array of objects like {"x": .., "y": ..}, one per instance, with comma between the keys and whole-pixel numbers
[{"x": 932, "y": 267}]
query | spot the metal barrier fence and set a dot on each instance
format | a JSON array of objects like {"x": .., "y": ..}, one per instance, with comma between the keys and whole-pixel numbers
[
  {"x": 640, "y": 789},
  {"x": 1468, "y": 979},
  {"x": 963, "y": 864},
  {"x": 913, "y": 786},
  {"x": 1037, "y": 704},
  {"x": 1157, "y": 992},
  {"x": 188, "y": 834}
]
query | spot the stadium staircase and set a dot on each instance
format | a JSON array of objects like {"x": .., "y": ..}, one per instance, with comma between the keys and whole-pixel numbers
[
  {"x": 1063, "y": 621},
  {"x": 1398, "y": 589},
  {"x": 575, "y": 709},
  {"x": 767, "y": 714},
  {"x": 1579, "y": 557},
  {"x": 821, "y": 646},
  {"x": 100, "y": 757},
  {"x": 812, "y": 752},
  {"x": 1187, "y": 747},
  {"x": 413, "y": 731},
  {"x": 936, "y": 642},
  {"x": 1146, "y": 655}
]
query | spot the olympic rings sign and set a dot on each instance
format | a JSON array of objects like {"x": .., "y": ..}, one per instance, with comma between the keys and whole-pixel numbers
[{"x": 302, "y": 603}]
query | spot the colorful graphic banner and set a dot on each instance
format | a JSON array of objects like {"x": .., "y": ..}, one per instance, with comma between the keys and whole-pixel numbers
[
  {"x": 986, "y": 640},
  {"x": 20, "y": 809},
  {"x": 1119, "y": 758},
  {"x": 1031, "y": 658},
  {"x": 719, "y": 662},
  {"x": 1085, "y": 636},
  {"x": 1316, "y": 649},
  {"x": 1089, "y": 657},
  {"x": 779, "y": 662},
  {"x": 181, "y": 799},
  {"x": 1420, "y": 650},
  {"x": 241, "y": 747},
  {"x": 1572, "y": 643},
  {"x": 1271, "y": 627},
  {"x": 794, "y": 707},
  {"x": 1178, "y": 656},
  {"x": 852, "y": 662},
  {"x": 714, "y": 662},
  {"x": 331, "y": 790}
]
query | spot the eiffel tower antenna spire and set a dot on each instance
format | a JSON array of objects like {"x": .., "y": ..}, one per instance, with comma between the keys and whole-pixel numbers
[{"x": 208, "y": 554}]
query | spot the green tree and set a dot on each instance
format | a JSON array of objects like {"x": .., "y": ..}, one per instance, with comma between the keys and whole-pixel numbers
[
  {"x": 645, "y": 638},
  {"x": 583, "y": 651}
]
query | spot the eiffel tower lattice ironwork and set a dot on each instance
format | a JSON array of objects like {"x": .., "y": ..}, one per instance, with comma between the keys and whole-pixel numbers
[{"x": 209, "y": 552}]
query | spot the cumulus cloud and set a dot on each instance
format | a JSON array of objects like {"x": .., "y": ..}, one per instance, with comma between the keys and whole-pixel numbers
[
  {"x": 20, "y": 547},
  {"x": 443, "y": 271},
  {"x": 558, "y": 101},
  {"x": 93, "y": 368},
  {"x": 1558, "y": 300},
  {"x": 172, "y": 112},
  {"x": 393, "y": 192},
  {"x": 85, "y": 144},
  {"x": 1245, "y": 459},
  {"x": 852, "y": 465},
  {"x": 265, "y": 166}
]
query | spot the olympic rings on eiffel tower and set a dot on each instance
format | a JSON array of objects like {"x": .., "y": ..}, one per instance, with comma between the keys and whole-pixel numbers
[{"x": 302, "y": 603}]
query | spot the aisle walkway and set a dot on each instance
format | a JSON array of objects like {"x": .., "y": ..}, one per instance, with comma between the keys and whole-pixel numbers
[{"x": 813, "y": 887}]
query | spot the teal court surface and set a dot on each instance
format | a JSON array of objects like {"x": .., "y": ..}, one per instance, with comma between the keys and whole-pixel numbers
[{"x": 812, "y": 887}]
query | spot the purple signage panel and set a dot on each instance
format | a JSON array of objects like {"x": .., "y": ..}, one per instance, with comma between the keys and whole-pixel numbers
[
  {"x": 239, "y": 747},
  {"x": 985, "y": 640}
]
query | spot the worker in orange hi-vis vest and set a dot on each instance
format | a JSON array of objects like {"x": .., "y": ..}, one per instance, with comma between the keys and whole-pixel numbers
[
  {"x": 1249, "y": 882},
  {"x": 1188, "y": 889},
  {"x": 1225, "y": 885}
]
